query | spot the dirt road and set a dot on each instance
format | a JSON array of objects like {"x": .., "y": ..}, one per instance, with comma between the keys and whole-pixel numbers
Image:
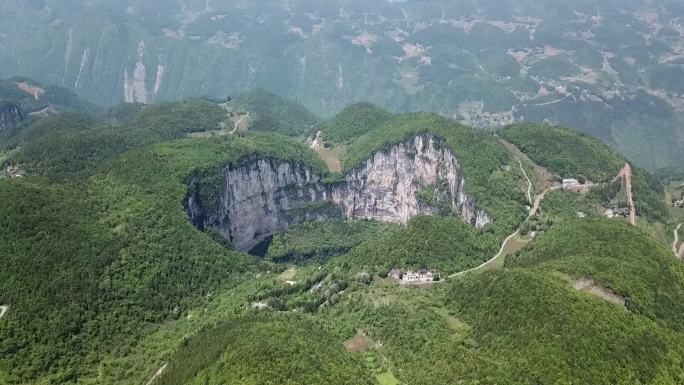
[
  {"x": 529, "y": 182},
  {"x": 239, "y": 122},
  {"x": 626, "y": 175},
  {"x": 676, "y": 240},
  {"x": 157, "y": 374},
  {"x": 533, "y": 211},
  {"x": 501, "y": 250}
]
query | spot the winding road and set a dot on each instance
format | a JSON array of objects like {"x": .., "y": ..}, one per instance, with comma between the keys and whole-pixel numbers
[
  {"x": 3, "y": 310},
  {"x": 239, "y": 121},
  {"x": 676, "y": 240},
  {"x": 626, "y": 175},
  {"x": 535, "y": 207},
  {"x": 529, "y": 182},
  {"x": 503, "y": 247}
]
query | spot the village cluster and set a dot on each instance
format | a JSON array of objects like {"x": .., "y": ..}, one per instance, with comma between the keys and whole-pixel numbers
[
  {"x": 615, "y": 211},
  {"x": 413, "y": 277},
  {"x": 678, "y": 203}
]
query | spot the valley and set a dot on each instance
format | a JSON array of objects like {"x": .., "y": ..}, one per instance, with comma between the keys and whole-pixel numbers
[
  {"x": 605, "y": 69},
  {"x": 403, "y": 192},
  {"x": 414, "y": 192}
]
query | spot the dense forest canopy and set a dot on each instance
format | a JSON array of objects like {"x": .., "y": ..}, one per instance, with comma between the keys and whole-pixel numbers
[{"x": 201, "y": 192}]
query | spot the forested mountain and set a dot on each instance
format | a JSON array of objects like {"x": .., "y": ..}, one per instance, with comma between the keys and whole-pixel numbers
[
  {"x": 121, "y": 262},
  {"x": 381, "y": 192},
  {"x": 611, "y": 69}
]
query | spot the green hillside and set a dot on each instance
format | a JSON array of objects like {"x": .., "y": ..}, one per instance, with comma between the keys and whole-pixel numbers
[
  {"x": 264, "y": 349},
  {"x": 616, "y": 256},
  {"x": 269, "y": 112},
  {"x": 107, "y": 280},
  {"x": 59, "y": 98},
  {"x": 539, "y": 330},
  {"x": 354, "y": 121},
  {"x": 103, "y": 267},
  {"x": 68, "y": 144},
  {"x": 569, "y": 154}
]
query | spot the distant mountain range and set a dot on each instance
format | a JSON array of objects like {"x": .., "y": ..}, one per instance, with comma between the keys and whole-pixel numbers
[{"x": 613, "y": 69}]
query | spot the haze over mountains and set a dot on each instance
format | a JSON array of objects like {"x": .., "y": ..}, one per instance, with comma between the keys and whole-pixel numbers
[
  {"x": 613, "y": 69},
  {"x": 283, "y": 192}
]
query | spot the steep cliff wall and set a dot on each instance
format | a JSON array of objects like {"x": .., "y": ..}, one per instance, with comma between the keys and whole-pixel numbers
[
  {"x": 262, "y": 196},
  {"x": 388, "y": 186},
  {"x": 10, "y": 114}
]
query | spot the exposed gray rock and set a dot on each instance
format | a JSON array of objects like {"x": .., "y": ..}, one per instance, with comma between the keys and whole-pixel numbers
[
  {"x": 10, "y": 114},
  {"x": 386, "y": 187},
  {"x": 262, "y": 196}
]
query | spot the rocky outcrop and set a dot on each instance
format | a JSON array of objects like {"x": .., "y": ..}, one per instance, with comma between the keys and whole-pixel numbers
[
  {"x": 10, "y": 114},
  {"x": 388, "y": 186},
  {"x": 260, "y": 197}
]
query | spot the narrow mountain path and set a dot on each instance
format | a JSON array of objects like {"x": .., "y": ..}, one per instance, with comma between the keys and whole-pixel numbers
[
  {"x": 503, "y": 247},
  {"x": 626, "y": 175},
  {"x": 533, "y": 211},
  {"x": 157, "y": 374},
  {"x": 529, "y": 182},
  {"x": 676, "y": 240},
  {"x": 553, "y": 102},
  {"x": 239, "y": 121},
  {"x": 3, "y": 310}
]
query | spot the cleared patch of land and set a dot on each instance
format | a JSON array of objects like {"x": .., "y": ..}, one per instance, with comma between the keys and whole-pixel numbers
[
  {"x": 331, "y": 157},
  {"x": 544, "y": 179},
  {"x": 360, "y": 343},
  {"x": 589, "y": 286},
  {"x": 35, "y": 91},
  {"x": 3, "y": 310},
  {"x": 288, "y": 274}
]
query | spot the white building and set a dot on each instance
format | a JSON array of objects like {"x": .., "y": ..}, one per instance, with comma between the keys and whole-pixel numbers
[{"x": 571, "y": 183}]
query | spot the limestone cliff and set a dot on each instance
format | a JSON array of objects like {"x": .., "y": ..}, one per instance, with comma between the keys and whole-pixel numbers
[
  {"x": 387, "y": 186},
  {"x": 10, "y": 114},
  {"x": 260, "y": 197}
]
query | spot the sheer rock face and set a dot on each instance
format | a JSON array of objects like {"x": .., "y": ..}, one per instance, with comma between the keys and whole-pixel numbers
[
  {"x": 387, "y": 186},
  {"x": 10, "y": 114},
  {"x": 262, "y": 197}
]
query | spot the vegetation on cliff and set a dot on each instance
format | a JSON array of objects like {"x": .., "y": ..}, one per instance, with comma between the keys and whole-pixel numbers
[{"x": 354, "y": 121}]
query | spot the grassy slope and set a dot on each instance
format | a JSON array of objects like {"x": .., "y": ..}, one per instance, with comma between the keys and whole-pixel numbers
[
  {"x": 540, "y": 330},
  {"x": 72, "y": 144},
  {"x": 322, "y": 241}
]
